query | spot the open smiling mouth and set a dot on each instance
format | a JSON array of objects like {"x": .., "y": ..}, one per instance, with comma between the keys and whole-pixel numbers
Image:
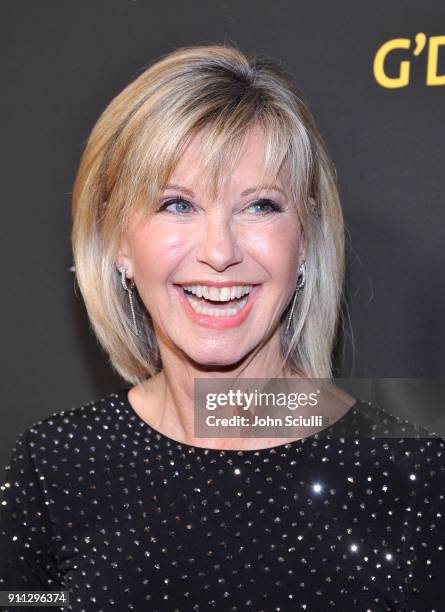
[
  {"x": 213, "y": 306},
  {"x": 217, "y": 301}
]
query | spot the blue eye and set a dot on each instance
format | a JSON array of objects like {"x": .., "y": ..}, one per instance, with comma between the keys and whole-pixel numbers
[
  {"x": 266, "y": 206},
  {"x": 261, "y": 207},
  {"x": 175, "y": 202}
]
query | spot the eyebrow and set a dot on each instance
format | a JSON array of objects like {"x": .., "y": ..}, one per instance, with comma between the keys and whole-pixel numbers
[{"x": 244, "y": 193}]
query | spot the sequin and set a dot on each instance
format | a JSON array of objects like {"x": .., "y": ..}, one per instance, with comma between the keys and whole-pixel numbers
[{"x": 98, "y": 503}]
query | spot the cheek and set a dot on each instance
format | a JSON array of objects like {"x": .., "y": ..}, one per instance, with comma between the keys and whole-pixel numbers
[
  {"x": 157, "y": 252},
  {"x": 277, "y": 249}
]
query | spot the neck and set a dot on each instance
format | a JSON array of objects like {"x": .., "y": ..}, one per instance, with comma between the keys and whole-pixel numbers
[{"x": 166, "y": 400}]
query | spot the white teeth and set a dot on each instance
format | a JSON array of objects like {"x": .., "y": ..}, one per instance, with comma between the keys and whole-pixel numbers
[
  {"x": 198, "y": 307},
  {"x": 219, "y": 294},
  {"x": 225, "y": 294}
]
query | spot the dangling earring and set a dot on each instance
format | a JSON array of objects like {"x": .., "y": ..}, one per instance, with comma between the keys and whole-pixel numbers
[
  {"x": 300, "y": 285},
  {"x": 129, "y": 290}
]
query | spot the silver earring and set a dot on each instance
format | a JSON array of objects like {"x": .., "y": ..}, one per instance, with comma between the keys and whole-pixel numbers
[
  {"x": 129, "y": 290},
  {"x": 300, "y": 285}
]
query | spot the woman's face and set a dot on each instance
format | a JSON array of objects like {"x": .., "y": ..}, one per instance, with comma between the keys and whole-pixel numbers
[{"x": 216, "y": 275}]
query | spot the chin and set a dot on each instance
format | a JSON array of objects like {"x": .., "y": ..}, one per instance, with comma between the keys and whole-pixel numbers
[{"x": 215, "y": 358}]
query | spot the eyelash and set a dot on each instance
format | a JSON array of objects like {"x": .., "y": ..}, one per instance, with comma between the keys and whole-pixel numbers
[{"x": 275, "y": 207}]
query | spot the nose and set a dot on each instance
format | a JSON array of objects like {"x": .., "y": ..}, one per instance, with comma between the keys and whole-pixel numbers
[{"x": 218, "y": 245}]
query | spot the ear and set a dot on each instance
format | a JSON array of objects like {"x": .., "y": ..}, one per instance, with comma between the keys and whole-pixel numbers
[
  {"x": 124, "y": 257},
  {"x": 313, "y": 205}
]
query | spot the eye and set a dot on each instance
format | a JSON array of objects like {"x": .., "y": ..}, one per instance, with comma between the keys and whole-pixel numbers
[
  {"x": 266, "y": 206},
  {"x": 179, "y": 206}
]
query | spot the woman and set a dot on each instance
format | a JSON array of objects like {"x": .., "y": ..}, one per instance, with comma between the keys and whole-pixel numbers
[{"x": 209, "y": 244}]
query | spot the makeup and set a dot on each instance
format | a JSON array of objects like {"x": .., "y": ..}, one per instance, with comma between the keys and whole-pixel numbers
[{"x": 211, "y": 313}]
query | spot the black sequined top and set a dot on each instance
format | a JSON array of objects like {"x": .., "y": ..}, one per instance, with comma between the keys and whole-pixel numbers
[{"x": 98, "y": 503}]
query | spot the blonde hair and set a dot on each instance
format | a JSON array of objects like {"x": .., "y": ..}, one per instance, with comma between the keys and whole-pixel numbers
[{"x": 132, "y": 151}]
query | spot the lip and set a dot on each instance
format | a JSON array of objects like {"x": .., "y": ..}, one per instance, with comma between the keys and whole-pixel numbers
[
  {"x": 211, "y": 283},
  {"x": 210, "y": 321}
]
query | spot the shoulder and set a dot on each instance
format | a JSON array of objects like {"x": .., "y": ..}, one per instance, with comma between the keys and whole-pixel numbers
[
  {"x": 63, "y": 429},
  {"x": 387, "y": 439},
  {"x": 367, "y": 428},
  {"x": 367, "y": 419}
]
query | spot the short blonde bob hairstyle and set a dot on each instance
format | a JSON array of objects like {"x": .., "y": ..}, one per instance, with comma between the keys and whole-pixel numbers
[{"x": 131, "y": 153}]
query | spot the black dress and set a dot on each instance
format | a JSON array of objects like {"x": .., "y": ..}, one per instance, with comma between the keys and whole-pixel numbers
[{"x": 98, "y": 503}]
